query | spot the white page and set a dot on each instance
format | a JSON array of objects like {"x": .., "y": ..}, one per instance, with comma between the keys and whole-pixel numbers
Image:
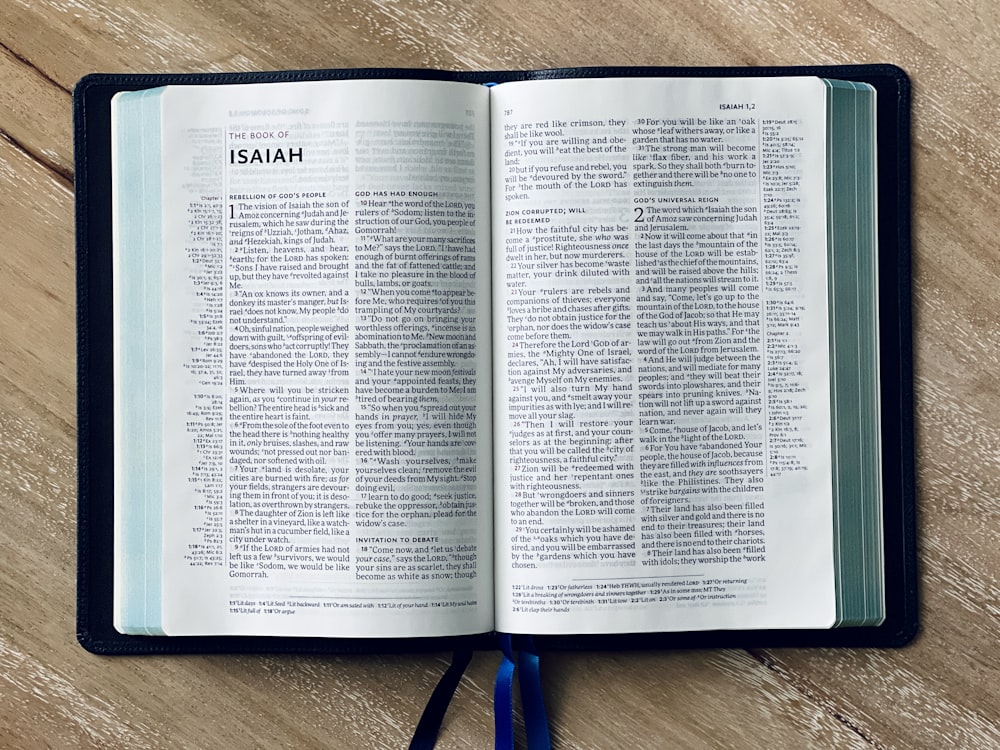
[
  {"x": 661, "y": 355},
  {"x": 327, "y": 359}
]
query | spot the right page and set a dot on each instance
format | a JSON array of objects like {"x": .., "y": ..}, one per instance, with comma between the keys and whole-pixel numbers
[{"x": 662, "y": 368}]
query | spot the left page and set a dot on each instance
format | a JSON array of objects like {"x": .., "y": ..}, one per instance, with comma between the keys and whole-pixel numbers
[{"x": 326, "y": 359}]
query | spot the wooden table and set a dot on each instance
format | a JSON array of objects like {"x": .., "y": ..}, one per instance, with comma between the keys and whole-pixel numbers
[{"x": 941, "y": 692}]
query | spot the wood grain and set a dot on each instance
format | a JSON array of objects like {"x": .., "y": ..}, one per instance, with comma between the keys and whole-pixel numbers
[{"x": 943, "y": 691}]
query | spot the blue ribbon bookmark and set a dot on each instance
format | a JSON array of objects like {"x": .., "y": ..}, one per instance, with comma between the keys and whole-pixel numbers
[
  {"x": 503, "y": 698},
  {"x": 426, "y": 733},
  {"x": 536, "y": 722},
  {"x": 530, "y": 679}
]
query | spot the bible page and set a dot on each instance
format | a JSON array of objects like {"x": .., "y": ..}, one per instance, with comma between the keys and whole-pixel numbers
[
  {"x": 326, "y": 379},
  {"x": 662, "y": 397}
]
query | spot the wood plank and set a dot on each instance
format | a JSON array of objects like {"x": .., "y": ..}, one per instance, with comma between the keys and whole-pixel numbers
[
  {"x": 36, "y": 114},
  {"x": 183, "y": 37},
  {"x": 676, "y": 699},
  {"x": 941, "y": 691}
]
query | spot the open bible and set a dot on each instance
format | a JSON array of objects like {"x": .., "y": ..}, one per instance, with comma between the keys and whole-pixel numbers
[{"x": 401, "y": 357}]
